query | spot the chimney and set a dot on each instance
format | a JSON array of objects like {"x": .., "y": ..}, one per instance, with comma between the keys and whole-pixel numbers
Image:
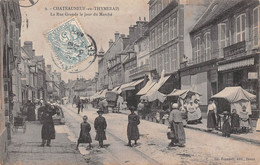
[
  {"x": 116, "y": 35},
  {"x": 28, "y": 46},
  {"x": 49, "y": 68},
  {"x": 144, "y": 19},
  {"x": 140, "y": 19},
  {"x": 110, "y": 43},
  {"x": 33, "y": 52}
]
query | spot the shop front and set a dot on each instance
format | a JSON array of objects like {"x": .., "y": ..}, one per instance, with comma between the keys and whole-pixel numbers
[{"x": 242, "y": 71}]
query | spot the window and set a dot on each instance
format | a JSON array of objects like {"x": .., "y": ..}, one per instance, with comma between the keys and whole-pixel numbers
[
  {"x": 173, "y": 28},
  {"x": 173, "y": 58},
  {"x": 152, "y": 40},
  {"x": 167, "y": 61},
  {"x": 222, "y": 35},
  {"x": 240, "y": 28},
  {"x": 159, "y": 6},
  {"x": 256, "y": 27},
  {"x": 197, "y": 49},
  {"x": 207, "y": 42},
  {"x": 159, "y": 37},
  {"x": 166, "y": 31},
  {"x": 159, "y": 62}
]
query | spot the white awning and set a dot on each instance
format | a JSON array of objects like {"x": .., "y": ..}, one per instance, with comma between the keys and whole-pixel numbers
[
  {"x": 146, "y": 88},
  {"x": 131, "y": 86},
  {"x": 237, "y": 64}
]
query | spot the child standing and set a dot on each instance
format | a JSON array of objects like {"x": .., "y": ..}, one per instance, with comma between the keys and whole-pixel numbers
[
  {"x": 226, "y": 129},
  {"x": 84, "y": 136},
  {"x": 244, "y": 120},
  {"x": 235, "y": 124}
]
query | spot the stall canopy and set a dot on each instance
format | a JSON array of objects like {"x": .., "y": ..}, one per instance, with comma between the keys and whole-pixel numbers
[
  {"x": 234, "y": 94},
  {"x": 154, "y": 94},
  {"x": 183, "y": 93},
  {"x": 103, "y": 93},
  {"x": 131, "y": 86},
  {"x": 116, "y": 89},
  {"x": 146, "y": 88}
]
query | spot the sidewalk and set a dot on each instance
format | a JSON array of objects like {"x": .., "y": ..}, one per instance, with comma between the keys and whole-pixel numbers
[
  {"x": 250, "y": 137},
  {"x": 25, "y": 148}
]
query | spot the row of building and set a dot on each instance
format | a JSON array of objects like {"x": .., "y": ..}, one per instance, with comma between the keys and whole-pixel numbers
[
  {"x": 23, "y": 75},
  {"x": 203, "y": 45}
]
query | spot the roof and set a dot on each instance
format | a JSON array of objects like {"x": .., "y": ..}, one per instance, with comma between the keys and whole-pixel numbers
[{"x": 214, "y": 12}]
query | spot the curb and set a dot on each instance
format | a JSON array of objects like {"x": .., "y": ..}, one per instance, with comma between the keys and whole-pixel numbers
[{"x": 235, "y": 137}]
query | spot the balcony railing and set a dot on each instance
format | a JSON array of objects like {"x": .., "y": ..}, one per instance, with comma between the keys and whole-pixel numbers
[{"x": 139, "y": 71}]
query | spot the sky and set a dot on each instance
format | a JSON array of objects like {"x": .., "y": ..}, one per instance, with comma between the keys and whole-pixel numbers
[{"x": 101, "y": 28}]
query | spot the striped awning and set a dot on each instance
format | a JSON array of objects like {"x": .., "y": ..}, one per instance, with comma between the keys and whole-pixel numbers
[{"x": 237, "y": 64}]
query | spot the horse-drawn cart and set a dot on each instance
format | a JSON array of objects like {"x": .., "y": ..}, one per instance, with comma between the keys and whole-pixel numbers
[{"x": 111, "y": 98}]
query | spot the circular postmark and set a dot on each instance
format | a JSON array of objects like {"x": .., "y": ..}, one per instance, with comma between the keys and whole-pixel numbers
[
  {"x": 74, "y": 51},
  {"x": 27, "y": 3}
]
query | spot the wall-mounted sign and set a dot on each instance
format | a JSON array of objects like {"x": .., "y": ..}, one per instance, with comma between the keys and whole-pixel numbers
[{"x": 252, "y": 75}]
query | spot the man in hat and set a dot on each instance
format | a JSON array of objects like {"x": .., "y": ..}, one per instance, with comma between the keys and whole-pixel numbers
[
  {"x": 100, "y": 125},
  {"x": 132, "y": 127},
  {"x": 48, "y": 130},
  {"x": 175, "y": 120}
]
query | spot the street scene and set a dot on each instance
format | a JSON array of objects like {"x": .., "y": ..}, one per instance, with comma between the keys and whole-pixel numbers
[{"x": 119, "y": 82}]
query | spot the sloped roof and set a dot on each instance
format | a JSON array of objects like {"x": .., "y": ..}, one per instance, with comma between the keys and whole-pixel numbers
[{"x": 214, "y": 12}]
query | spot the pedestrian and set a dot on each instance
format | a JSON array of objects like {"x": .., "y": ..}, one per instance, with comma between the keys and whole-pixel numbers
[
  {"x": 84, "y": 136},
  {"x": 48, "y": 130},
  {"x": 140, "y": 109},
  {"x": 30, "y": 111},
  {"x": 175, "y": 120},
  {"x": 192, "y": 115},
  {"x": 198, "y": 111},
  {"x": 226, "y": 128},
  {"x": 235, "y": 122},
  {"x": 105, "y": 104},
  {"x": 244, "y": 120},
  {"x": 79, "y": 106},
  {"x": 211, "y": 113},
  {"x": 82, "y": 106},
  {"x": 100, "y": 125},
  {"x": 132, "y": 127}
]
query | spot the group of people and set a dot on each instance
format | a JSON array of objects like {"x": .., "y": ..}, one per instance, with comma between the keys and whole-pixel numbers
[
  {"x": 100, "y": 126},
  {"x": 232, "y": 123}
]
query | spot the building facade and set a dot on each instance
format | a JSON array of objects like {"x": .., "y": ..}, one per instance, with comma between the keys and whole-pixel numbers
[{"x": 225, "y": 50}]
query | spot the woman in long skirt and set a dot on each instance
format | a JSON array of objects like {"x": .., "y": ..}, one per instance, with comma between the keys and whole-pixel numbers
[
  {"x": 211, "y": 121},
  {"x": 175, "y": 120}
]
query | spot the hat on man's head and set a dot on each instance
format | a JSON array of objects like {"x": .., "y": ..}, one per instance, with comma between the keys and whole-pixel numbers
[
  {"x": 100, "y": 111},
  {"x": 132, "y": 108}
]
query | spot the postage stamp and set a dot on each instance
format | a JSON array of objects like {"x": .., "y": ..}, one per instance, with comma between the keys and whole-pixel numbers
[{"x": 74, "y": 50}]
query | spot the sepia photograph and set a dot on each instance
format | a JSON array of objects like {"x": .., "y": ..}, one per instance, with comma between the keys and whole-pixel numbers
[{"x": 129, "y": 82}]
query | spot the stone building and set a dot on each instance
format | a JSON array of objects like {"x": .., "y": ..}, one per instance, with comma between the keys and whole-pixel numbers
[{"x": 225, "y": 44}]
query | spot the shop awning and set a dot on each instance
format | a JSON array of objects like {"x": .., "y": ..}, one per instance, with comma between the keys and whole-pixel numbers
[
  {"x": 131, "y": 86},
  {"x": 234, "y": 94},
  {"x": 116, "y": 89},
  {"x": 237, "y": 64},
  {"x": 154, "y": 94},
  {"x": 183, "y": 93},
  {"x": 146, "y": 88}
]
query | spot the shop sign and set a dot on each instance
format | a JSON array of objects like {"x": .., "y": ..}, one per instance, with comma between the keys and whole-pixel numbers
[
  {"x": 235, "y": 49},
  {"x": 252, "y": 75}
]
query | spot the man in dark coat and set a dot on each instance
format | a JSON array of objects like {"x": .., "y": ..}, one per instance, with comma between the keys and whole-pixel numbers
[
  {"x": 79, "y": 106},
  {"x": 100, "y": 125},
  {"x": 132, "y": 127},
  {"x": 48, "y": 130},
  {"x": 30, "y": 111}
]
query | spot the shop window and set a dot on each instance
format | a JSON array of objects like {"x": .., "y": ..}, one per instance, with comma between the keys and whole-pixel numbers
[
  {"x": 256, "y": 27},
  {"x": 240, "y": 28},
  {"x": 207, "y": 45}
]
